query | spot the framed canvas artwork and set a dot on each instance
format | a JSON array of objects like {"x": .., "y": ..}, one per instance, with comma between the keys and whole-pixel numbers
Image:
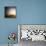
[{"x": 10, "y": 12}]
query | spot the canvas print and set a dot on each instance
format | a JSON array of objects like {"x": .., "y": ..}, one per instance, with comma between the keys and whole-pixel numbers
[
  {"x": 33, "y": 32},
  {"x": 10, "y": 12},
  {"x": 32, "y": 35}
]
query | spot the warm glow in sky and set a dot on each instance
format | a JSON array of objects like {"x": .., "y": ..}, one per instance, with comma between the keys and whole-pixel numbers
[{"x": 12, "y": 11}]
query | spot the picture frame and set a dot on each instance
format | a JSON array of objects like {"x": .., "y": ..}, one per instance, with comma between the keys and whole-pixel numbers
[{"x": 10, "y": 12}]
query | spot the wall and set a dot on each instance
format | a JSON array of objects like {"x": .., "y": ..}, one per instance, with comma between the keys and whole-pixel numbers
[
  {"x": 28, "y": 12},
  {"x": 33, "y": 12}
]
